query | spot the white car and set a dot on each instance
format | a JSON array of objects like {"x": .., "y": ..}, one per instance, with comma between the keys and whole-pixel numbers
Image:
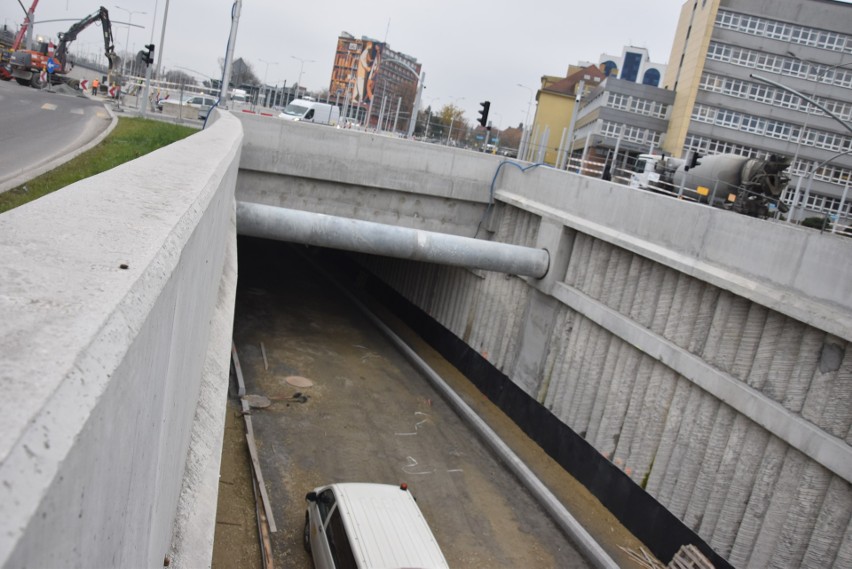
[
  {"x": 194, "y": 101},
  {"x": 358, "y": 525}
]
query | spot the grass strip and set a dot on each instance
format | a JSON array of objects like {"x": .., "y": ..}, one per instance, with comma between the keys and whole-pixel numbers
[{"x": 132, "y": 137}]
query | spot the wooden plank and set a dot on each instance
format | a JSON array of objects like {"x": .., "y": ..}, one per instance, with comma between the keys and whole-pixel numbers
[
  {"x": 241, "y": 385},
  {"x": 265, "y": 362},
  {"x": 267, "y": 507},
  {"x": 263, "y": 530}
]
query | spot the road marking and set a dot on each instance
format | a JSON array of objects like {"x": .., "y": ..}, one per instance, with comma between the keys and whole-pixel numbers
[
  {"x": 416, "y": 425},
  {"x": 76, "y": 111},
  {"x": 411, "y": 464},
  {"x": 48, "y": 107}
]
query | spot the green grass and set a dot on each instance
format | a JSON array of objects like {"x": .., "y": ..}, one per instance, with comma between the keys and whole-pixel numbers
[{"x": 131, "y": 138}]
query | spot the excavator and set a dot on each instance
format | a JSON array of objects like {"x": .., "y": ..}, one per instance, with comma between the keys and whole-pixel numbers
[{"x": 26, "y": 66}]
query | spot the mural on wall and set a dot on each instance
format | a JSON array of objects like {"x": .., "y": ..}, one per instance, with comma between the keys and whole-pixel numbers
[
  {"x": 368, "y": 67},
  {"x": 356, "y": 66}
]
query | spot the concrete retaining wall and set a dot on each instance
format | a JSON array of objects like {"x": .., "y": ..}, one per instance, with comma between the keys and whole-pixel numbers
[
  {"x": 731, "y": 413},
  {"x": 117, "y": 296},
  {"x": 364, "y": 176},
  {"x": 705, "y": 354}
]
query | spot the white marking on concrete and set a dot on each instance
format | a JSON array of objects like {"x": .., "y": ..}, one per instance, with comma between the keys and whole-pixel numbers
[
  {"x": 48, "y": 107},
  {"x": 411, "y": 464}
]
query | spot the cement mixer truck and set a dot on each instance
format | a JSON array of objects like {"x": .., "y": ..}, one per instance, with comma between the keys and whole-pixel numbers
[{"x": 751, "y": 186}]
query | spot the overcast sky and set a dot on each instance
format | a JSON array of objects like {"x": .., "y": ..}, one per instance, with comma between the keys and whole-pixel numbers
[{"x": 470, "y": 50}]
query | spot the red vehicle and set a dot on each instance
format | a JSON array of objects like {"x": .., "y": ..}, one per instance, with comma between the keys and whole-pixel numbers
[
  {"x": 5, "y": 71},
  {"x": 26, "y": 65}
]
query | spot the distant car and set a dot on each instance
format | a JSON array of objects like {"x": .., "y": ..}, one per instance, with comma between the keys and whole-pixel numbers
[
  {"x": 193, "y": 101},
  {"x": 357, "y": 525}
]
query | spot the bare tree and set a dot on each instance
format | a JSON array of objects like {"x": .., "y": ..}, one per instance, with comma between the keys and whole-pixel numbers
[
  {"x": 180, "y": 77},
  {"x": 242, "y": 72}
]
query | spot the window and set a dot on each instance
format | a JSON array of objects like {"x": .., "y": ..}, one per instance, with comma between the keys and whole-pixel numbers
[
  {"x": 651, "y": 77},
  {"x": 727, "y": 118},
  {"x": 763, "y": 27},
  {"x": 753, "y": 124},
  {"x": 325, "y": 502},
  {"x": 338, "y": 542}
]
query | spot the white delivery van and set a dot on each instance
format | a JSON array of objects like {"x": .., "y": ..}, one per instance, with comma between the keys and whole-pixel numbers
[
  {"x": 363, "y": 526},
  {"x": 311, "y": 111}
]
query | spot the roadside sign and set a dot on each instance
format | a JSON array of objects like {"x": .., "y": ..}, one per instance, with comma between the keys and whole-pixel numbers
[
  {"x": 84, "y": 85},
  {"x": 480, "y": 137},
  {"x": 51, "y": 65}
]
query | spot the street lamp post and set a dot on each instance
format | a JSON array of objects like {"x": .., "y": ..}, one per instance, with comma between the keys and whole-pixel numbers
[
  {"x": 813, "y": 102},
  {"x": 127, "y": 37},
  {"x": 525, "y": 139},
  {"x": 302, "y": 66},
  {"x": 265, "y": 73},
  {"x": 452, "y": 117}
]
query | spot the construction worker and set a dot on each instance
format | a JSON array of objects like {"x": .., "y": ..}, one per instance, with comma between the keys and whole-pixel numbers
[{"x": 95, "y": 84}]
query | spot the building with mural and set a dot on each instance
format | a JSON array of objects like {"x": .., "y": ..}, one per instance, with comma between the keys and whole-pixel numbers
[
  {"x": 723, "y": 52},
  {"x": 371, "y": 79}
]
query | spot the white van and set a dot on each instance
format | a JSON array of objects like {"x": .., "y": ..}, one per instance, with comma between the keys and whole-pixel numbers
[
  {"x": 362, "y": 526},
  {"x": 311, "y": 111}
]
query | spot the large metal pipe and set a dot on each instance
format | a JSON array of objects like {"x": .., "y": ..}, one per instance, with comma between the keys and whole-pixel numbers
[{"x": 270, "y": 222}]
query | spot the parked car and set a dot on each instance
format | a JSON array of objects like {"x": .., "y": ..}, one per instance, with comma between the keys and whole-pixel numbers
[
  {"x": 359, "y": 525},
  {"x": 194, "y": 101}
]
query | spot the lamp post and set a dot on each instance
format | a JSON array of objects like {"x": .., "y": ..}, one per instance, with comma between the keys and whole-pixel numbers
[
  {"x": 429, "y": 116},
  {"x": 302, "y": 66},
  {"x": 813, "y": 102},
  {"x": 452, "y": 117},
  {"x": 127, "y": 37},
  {"x": 525, "y": 139},
  {"x": 265, "y": 73}
]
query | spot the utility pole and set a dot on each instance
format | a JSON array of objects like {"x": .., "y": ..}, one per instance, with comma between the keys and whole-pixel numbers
[{"x": 229, "y": 54}]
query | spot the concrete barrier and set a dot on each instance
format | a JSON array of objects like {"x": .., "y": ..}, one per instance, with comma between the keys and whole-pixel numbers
[{"x": 117, "y": 295}]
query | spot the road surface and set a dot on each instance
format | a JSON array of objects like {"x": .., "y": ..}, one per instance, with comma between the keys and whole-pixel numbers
[
  {"x": 371, "y": 417},
  {"x": 39, "y": 127}
]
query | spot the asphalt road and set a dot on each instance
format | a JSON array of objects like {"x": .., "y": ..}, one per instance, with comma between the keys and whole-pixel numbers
[
  {"x": 370, "y": 417},
  {"x": 39, "y": 127}
]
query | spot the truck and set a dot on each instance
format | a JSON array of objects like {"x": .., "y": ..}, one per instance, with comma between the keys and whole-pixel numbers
[
  {"x": 311, "y": 111},
  {"x": 26, "y": 65},
  {"x": 6, "y": 54},
  {"x": 750, "y": 186}
]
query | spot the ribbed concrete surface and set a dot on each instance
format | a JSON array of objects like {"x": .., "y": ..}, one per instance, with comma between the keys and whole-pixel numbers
[{"x": 756, "y": 500}]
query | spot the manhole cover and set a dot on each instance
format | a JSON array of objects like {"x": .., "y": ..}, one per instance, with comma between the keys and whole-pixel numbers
[{"x": 298, "y": 381}]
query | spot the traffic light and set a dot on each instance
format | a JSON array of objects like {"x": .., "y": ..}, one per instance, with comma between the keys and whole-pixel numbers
[
  {"x": 148, "y": 56},
  {"x": 483, "y": 112}
]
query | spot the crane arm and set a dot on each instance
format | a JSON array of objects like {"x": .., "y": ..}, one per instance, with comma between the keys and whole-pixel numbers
[
  {"x": 23, "y": 29},
  {"x": 65, "y": 39}
]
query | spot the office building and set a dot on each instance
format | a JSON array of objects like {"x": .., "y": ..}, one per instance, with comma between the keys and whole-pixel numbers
[{"x": 734, "y": 66}]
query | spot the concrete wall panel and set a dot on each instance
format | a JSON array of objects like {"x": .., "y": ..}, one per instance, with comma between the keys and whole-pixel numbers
[{"x": 110, "y": 290}]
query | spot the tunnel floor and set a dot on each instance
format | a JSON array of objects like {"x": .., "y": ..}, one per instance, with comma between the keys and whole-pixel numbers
[{"x": 370, "y": 417}]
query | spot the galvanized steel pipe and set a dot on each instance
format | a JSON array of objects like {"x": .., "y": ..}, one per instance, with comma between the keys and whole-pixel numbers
[{"x": 282, "y": 224}]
